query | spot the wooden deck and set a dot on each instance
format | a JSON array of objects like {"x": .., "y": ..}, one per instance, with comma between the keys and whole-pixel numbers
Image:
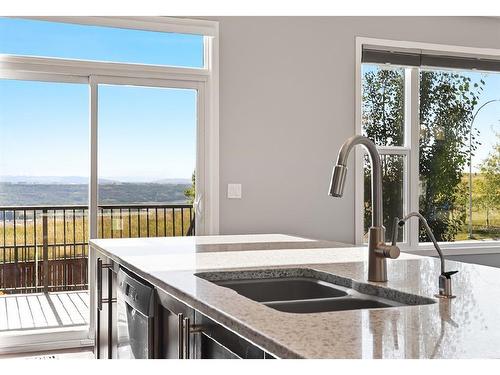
[{"x": 39, "y": 310}]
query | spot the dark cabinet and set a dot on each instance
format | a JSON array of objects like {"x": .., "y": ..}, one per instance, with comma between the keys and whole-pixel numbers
[
  {"x": 185, "y": 333},
  {"x": 174, "y": 337},
  {"x": 218, "y": 342}
]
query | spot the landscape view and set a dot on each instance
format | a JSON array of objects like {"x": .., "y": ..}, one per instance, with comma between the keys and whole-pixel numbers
[
  {"x": 34, "y": 191},
  {"x": 45, "y": 220},
  {"x": 146, "y": 159},
  {"x": 459, "y": 117}
]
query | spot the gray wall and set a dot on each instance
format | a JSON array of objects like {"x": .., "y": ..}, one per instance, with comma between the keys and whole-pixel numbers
[{"x": 287, "y": 104}]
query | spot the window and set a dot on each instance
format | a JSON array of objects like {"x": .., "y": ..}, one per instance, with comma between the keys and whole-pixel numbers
[
  {"x": 43, "y": 168},
  {"x": 146, "y": 170},
  {"x": 97, "y": 43},
  {"x": 383, "y": 119},
  {"x": 108, "y": 122},
  {"x": 437, "y": 128}
]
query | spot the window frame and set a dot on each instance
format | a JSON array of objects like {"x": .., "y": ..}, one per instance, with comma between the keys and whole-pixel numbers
[
  {"x": 205, "y": 80},
  {"x": 410, "y": 147}
]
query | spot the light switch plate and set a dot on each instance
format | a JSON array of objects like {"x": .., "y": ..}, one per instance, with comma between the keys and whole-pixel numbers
[{"x": 234, "y": 191}]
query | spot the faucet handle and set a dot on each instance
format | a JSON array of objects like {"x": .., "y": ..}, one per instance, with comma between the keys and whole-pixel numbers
[{"x": 388, "y": 251}]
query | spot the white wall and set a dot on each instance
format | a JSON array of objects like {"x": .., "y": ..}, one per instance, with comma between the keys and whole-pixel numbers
[{"x": 287, "y": 104}]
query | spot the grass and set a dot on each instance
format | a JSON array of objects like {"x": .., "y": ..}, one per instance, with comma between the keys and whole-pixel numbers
[
  {"x": 480, "y": 231},
  {"x": 64, "y": 231}
]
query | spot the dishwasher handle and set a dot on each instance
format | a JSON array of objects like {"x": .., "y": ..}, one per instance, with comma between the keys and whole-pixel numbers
[
  {"x": 99, "y": 267},
  {"x": 98, "y": 271}
]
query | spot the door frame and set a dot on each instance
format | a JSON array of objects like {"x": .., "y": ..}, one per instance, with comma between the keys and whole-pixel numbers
[
  {"x": 205, "y": 80},
  {"x": 202, "y": 227},
  {"x": 201, "y": 163}
]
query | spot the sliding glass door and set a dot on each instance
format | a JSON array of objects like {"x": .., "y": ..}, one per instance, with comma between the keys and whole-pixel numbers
[
  {"x": 132, "y": 156},
  {"x": 146, "y": 161},
  {"x": 43, "y": 204}
]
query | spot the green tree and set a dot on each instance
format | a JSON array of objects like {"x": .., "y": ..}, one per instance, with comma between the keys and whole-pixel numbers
[
  {"x": 189, "y": 193},
  {"x": 488, "y": 185},
  {"x": 383, "y": 122},
  {"x": 447, "y": 102}
]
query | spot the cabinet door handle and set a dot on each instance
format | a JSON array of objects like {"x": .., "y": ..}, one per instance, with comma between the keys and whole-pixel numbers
[
  {"x": 98, "y": 271},
  {"x": 187, "y": 340},
  {"x": 180, "y": 339}
]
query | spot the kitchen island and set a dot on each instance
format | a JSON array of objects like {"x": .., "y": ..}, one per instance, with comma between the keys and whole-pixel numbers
[{"x": 467, "y": 326}]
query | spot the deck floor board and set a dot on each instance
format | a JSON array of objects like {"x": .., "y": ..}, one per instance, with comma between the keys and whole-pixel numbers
[{"x": 40, "y": 310}]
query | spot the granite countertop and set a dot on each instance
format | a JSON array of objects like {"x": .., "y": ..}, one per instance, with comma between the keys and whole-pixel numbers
[{"x": 467, "y": 326}]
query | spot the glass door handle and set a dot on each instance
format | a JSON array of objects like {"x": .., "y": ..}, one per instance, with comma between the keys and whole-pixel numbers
[{"x": 198, "y": 205}]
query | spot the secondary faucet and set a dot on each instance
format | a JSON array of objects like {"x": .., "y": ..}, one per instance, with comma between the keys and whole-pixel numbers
[
  {"x": 445, "y": 277},
  {"x": 378, "y": 251}
]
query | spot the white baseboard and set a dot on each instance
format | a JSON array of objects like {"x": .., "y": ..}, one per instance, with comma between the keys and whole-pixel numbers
[{"x": 33, "y": 341}]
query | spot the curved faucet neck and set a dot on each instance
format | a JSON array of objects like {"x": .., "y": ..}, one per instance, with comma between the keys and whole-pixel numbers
[
  {"x": 401, "y": 222},
  {"x": 376, "y": 172}
]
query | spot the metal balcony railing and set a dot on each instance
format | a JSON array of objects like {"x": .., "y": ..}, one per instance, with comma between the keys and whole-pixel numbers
[{"x": 45, "y": 248}]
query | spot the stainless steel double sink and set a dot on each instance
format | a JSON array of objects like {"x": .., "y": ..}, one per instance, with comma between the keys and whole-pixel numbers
[{"x": 308, "y": 291}]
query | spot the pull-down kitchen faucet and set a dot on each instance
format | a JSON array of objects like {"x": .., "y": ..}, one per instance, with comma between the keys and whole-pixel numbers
[
  {"x": 445, "y": 277},
  {"x": 378, "y": 251}
]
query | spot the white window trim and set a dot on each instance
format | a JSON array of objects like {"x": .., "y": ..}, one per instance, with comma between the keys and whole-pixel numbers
[
  {"x": 412, "y": 140},
  {"x": 149, "y": 23},
  {"x": 205, "y": 80}
]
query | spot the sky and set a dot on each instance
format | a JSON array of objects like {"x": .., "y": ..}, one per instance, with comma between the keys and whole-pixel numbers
[
  {"x": 488, "y": 118},
  {"x": 145, "y": 134}
]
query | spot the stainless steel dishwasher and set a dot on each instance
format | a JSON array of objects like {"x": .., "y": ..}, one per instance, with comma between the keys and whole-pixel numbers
[{"x": 135, "y": 317}]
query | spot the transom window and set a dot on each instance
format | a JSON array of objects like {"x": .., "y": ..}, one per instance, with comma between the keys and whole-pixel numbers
[{"x": 29, "y": 37}]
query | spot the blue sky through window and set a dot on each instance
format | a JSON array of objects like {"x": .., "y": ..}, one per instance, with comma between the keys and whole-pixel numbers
[
  {"x": 146, "y": 133},
  {"x": 83, "y": 42},
  {"x": 44, "y": 126},
  {"x": 43, "y": 129}
]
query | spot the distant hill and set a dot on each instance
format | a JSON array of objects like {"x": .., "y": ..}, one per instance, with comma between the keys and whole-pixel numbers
[
  {"x": 79, "y": 180},
  {"x": 51, "y": 180},
  {"x": 37, "y": 193},
  {"x": 174, "y": 181}
]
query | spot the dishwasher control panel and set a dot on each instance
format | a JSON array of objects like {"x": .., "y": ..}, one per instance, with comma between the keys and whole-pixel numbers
[{"x": 136, "y": 292}]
